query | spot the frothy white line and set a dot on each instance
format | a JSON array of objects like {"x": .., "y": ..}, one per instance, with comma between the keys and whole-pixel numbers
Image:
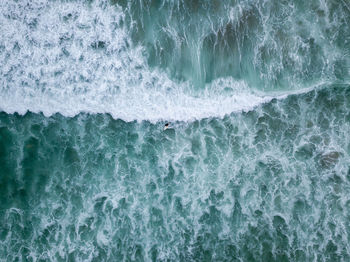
[{"x": 173, "y": 105}]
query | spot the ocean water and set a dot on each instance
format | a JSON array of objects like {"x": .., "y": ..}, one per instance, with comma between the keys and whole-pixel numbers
[{"x": 254, "y": 167}]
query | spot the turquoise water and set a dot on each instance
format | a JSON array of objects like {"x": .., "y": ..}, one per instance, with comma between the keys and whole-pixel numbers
[{"x": 255, "y": 166}]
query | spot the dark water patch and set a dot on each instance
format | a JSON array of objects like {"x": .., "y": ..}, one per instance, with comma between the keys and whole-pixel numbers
[
  {"x": 328, "y": 160},
  {"x": 270, "y": 45}
]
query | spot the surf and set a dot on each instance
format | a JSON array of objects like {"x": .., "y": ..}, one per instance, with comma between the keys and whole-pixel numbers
[{"x": 74, "y": 57}]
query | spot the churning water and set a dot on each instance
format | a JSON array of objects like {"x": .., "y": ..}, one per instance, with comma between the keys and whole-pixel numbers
[{"x": 255, "y": 165}]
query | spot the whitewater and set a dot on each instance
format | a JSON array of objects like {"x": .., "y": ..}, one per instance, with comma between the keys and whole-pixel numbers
[{"x": 71, "y": 57}]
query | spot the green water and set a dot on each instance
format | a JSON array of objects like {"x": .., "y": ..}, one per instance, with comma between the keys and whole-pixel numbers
[
  {"x": 272, "y": 184},
  {"x": 254, "y": 167},
  {"x": 270, "y": 44}
]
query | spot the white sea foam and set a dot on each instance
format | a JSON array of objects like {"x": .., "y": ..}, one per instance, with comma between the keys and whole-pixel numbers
[{"x": 69, "y": 58}]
